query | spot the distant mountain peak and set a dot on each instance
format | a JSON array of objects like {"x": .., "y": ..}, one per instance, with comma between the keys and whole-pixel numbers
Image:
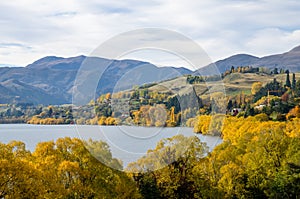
[
  {"x": 288, "y": 60},
  {"x": 50, "y": 80},
  {"x": 243, "y": 55},
  {"x": 296, "y": 49},
  {"x": 240, "y": 57},
  {"x": 49, "y": 61}
]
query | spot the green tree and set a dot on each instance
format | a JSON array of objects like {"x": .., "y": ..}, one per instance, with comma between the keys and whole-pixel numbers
[
  {"x": 294, "y": 81},
  {"x": 297, "y": 89},
  {"x": 287, "y": 81},
  {"x": 232, "y": 69},
  {"x": 169, "y": 168},
  {"x": 229, "y": 105}
]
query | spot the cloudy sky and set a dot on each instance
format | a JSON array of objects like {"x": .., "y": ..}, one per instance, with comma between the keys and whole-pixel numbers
[{"x": 31, "y": 29}]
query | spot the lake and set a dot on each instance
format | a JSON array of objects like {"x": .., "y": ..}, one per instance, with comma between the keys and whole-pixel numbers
[{"x": 127, "y": 143}]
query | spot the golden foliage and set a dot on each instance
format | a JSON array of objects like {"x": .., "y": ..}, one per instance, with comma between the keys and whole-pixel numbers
[
  {"x": 44, "y": 121},
  {"x": 293, "y": 113},
  {"x": 256, "y": 86},
  {"x": 61, "y": 169},
  {"x": 231, "y": 128}
]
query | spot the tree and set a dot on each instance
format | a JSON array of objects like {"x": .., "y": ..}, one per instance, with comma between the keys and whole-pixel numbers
[
  {"x": 229, "y": 105},
  {"x": 256, "y": 86},
  {"x": 287, "y": 81},
  {"x": 294, "y": 81},
  {"x": 273, "y": 88},
  {"x": 285, "y": 97},
  {"x": 102, "y": 120},
  {"x": 18, "y": 177},
  {"x": 72, "y": 168},
  {"x": 172, "y": 121},
  {"x": 167, "y": 170},
  {"x": 108, "y": 96},
  {"x": 249, "y": 111},
  {"x": 232, "y": 69},
  {"x": 295, "y": 112},
  {"x": 297, "y": 89},
  {"x": 257, "y": 159},
  {"x": 50, "y": 111}
]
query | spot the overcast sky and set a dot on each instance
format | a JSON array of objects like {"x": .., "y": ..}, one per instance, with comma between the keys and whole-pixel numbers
[{"x": 31, "y": 29}]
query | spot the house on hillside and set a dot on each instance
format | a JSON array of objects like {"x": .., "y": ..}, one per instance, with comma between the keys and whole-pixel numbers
[
  {"x": 260, "y": 107},
  {"x": 235, "y": 111}
]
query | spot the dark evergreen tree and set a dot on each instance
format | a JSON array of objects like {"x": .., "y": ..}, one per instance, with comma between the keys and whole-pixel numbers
[
  {"x": 232, "y": 69},
  {"x": 174, "y": 102},
  {"x": 274, "y": 88},
  {"x": 38, "y": 110},
  {"x": 287, "y": 81},
  {"x": 229, "y": 105},
  {"x": 297, "y": 89},
  {"x": 235, "y": 105},
  {"x": 50, "y": 112},
  {"x": 249, "y": 111},
  {"x": 294, "y": 81}
]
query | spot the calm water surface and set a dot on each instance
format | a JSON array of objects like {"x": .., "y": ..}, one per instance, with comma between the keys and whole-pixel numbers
[{"x": 127, "y": 143}]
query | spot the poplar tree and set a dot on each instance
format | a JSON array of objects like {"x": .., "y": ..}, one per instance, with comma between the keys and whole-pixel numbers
[
  {"x": 294, "y": 81},
  {"x": 288, "y": 81}
]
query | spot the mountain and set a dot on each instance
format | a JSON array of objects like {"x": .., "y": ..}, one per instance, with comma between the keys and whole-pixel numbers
[
  {"x": 53, "y": 80},
  {"x": 235, "y": 60},
  {"x": 16, "y": 91},
  {"x": 8, "y": 65},
  {"x": 288, "y": 60},
  {"x": 58, "y": 80}
]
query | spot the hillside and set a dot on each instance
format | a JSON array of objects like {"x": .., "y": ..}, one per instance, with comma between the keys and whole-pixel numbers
[
  {"x": 233, "y": 84},
  {"x": 288, "y": 60},
  {"x": 50, "y": 80}
]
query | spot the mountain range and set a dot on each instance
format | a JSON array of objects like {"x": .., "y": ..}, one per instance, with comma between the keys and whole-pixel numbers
[
  {"x": 288, "y": 60},
  {"x": 53, "y": 80}
]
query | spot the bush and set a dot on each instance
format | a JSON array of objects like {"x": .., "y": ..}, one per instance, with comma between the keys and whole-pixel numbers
[{"x": 261, "y": 117}]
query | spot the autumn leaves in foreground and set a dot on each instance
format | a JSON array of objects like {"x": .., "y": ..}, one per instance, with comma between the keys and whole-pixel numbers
[{"x": 257, "y": 159}]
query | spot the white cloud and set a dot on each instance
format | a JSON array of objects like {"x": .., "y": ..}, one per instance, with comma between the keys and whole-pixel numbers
[
  {"x": 73, "y": 27},
  {"x": 273, "y": 40}
]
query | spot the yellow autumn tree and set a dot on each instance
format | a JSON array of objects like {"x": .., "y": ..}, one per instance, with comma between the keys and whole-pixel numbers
[
  {"x": 256, "y": 86},
  {"x": 293, "y": 113},
  {"x": 108, "y": 96}
]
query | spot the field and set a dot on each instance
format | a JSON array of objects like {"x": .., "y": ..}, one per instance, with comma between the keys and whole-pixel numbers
[{"x": 233, "y": 84}]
